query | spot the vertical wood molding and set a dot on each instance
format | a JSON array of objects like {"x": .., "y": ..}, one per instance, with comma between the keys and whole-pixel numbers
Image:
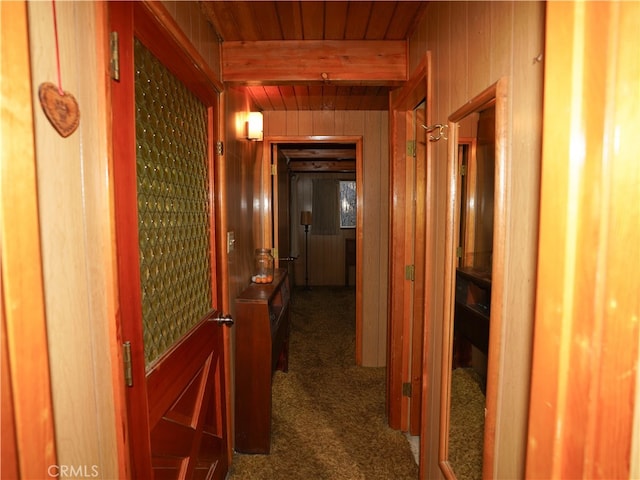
[
  {"x": 587, "y": 309},
  {"x": 23, "y": 304}
]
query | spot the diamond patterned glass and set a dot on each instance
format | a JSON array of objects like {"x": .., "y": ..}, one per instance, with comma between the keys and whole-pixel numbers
[{"x": 173, "y": 206}]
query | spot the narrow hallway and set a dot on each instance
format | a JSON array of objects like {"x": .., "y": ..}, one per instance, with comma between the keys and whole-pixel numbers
[{"x": 328, "y": 414}]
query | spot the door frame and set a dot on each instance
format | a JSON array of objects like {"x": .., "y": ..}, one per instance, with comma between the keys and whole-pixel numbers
[
  {"x": 401, "y": 318},
  {"x": 586, "y": 348},
  {"x": 164, "y": 37},
  {"x": 28, "y": 432},
  {"x": 269, "y": 212}
]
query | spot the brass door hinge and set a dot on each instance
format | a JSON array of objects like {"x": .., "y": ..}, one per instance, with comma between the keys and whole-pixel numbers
[
  {"x": 115, "y": 56},
  {"x": 128, "y": 367},
  {"x": 406, "y": 389},
  {"x": 410, "y": 272},
  {"x": 219, "y": 148},
  {"x": 411, "y": 148},
  {"x": 274, "y": 169},
  {"x": 463, "y": 170}
]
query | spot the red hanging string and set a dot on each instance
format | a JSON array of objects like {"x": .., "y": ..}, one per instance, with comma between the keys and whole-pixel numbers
[{"x": 55, "y": 30}]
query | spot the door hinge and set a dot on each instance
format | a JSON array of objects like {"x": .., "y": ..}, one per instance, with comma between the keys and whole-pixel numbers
[
  {"x": 410, "y": 272},
  {"x": 219, "y": 148},
  {"x": 463, "y": 170},
  {"x": 406, "y": 389},
  {"x": 459, "y": 252},
  {"x": 411, "y": 148},
  {"x": 274, "y": 169},
  {"x": 128, "y": 368},
  {"x": 115, "y": 56}
]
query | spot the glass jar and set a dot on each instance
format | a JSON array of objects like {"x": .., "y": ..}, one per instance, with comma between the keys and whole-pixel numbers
[{"x": 263, "y": 266}]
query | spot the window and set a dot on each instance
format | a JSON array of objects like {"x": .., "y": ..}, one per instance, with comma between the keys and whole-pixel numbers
[{"x": 348, "y": 203}]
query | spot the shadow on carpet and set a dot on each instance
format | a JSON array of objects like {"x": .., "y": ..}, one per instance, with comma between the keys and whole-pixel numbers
[{"x": 328, "y": 414}]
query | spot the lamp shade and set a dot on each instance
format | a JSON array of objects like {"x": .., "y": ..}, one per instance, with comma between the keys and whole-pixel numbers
[
  {"x": 254, "y": 126},
  {"x": 305, "y": 217}
]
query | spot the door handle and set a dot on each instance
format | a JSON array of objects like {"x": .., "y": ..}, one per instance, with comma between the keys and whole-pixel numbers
[{"x": 224, "y": 320}]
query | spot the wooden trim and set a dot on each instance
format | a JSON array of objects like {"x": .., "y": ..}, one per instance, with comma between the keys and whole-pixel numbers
[
  {"x": 222, "y": 265},
  {"x": 400, "y": 312},
  {"x": 496, "y": 93},
  {"x": 585, "y": 357},
  {"x": 498, "y": 276},
  {"x": 185, "y": 55},
  {"x": 360, "y": 206},
  {"x": 126, "y": 223},
  {"x": 420, "y": 293},
  {"x": 315, "y": 62},
  {"x": 23, "y": 310},
  {"x": 429, "y": 287}
]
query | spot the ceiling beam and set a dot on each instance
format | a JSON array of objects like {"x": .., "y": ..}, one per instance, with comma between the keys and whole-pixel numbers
[
  {"x": 304, "y": 153},
  {"x": 336, "y": 62},
  {"x": 323, "y": 166}
]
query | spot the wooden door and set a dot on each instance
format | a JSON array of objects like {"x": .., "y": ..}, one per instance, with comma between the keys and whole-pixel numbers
[
  {"x": 163, "y": 113},
  {"x": 410, "y": 252},
  {"x": 281, "y": 214},
  {"x": 419, "y": 251}
]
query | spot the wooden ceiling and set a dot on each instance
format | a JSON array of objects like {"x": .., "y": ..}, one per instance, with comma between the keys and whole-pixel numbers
[
  {"x": 319, "y": 157},
  {"x": 315, "y": 55}
]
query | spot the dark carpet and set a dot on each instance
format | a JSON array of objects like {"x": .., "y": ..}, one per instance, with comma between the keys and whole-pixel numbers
[{"x": 329, "y": 418}]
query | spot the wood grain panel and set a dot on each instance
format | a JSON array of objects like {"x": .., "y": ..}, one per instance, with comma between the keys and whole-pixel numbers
[
  {"x": 586, "y": 350},
  {"x": 372, "y": 62},
  {"x": 28, "y": 431},
  {"x": 74, "y": 201},
  {"x": 472, "y": 43}
]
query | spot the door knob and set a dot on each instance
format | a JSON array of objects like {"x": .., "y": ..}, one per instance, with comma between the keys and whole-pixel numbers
[{"x": 224, "y": 320}]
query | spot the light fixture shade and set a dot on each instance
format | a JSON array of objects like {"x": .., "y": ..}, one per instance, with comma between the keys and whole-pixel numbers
[
  {"x": 305, "y": 218},
  {"x": 254, "y": 126}
]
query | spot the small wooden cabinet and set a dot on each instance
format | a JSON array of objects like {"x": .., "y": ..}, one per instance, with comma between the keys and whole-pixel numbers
[
  {"x": 262, "y": 345},
  {"x": 473, "y": 302}
]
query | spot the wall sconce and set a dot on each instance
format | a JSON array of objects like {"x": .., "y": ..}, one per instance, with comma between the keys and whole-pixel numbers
[{"x": 254, "y": 126}]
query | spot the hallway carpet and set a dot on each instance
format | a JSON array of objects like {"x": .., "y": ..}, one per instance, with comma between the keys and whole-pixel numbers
[{"x": 329, "y": 418}]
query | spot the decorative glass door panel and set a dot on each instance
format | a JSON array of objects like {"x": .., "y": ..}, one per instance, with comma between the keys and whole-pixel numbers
[{"x": 173, "y": 205}]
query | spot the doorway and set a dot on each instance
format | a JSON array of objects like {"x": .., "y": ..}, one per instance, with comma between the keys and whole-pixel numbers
[{"x": 305, "y": 160}]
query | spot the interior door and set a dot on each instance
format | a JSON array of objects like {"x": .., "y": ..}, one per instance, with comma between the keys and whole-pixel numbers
[
  {"x": 163, "y": 113},
  {"x": 281, "y": 217},
  {"x": 418, "y": 248}
]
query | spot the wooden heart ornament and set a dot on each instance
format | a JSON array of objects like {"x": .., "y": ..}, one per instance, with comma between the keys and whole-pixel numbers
[{"x": 61, "y": 109}]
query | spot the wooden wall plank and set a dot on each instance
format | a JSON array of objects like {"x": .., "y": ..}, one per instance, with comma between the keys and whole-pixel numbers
[
  {"x": 28, "y": 430},
  {"x": 587, "y": 334}
]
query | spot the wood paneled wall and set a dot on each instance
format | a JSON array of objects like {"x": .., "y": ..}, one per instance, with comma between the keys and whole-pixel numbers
[
  {"x": 373, "y": 127},
  {"x": 243, "y": 182},
  {"x": 473, "y": 44},
  {"x": 188, "y": 15},
  {"x": 76, "y": 233}
]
